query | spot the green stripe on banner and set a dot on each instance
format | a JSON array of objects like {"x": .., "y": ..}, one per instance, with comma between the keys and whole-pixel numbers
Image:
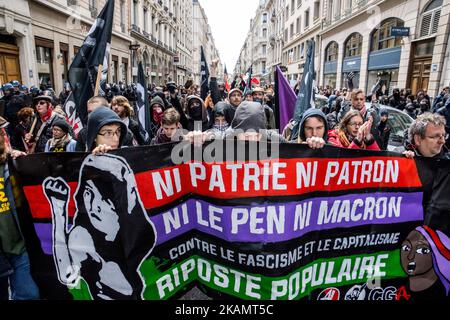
[{"x": 321, "y": 273}]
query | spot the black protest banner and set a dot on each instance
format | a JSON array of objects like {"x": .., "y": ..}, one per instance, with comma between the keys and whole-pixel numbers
[{"x": 333, "y": 224}]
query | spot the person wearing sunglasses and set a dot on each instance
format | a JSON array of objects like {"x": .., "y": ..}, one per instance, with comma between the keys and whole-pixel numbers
[
  {"x": 46, "y": 117},
  {"x": 105, "y": 131}
]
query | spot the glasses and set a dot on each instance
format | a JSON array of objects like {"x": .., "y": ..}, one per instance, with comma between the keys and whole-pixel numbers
[
  {"x": 355, "y": 124},
  {"x": 439, "y": 137},
  {"x": 109, "y": 134}
]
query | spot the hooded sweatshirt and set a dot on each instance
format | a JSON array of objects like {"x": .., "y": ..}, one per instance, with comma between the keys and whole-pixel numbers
[
  {"x": 249, "y": 116},
  {"x": 219, "y": 110},
  {"x": 193, "y": 118},
  {"x": 101, "y": 117},
  {"x": 313, "y": 113},
  {"x": 154, "y": 127}
]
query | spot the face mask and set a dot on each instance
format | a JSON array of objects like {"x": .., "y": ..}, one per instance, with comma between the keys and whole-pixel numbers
[
  {"x": 157, "y": 116},
  {"x": 196, "y": 112},
  {"x": 221, "y": 127}
]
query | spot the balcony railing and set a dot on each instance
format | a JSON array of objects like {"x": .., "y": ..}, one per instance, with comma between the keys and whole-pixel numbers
[{"x": 135, "y": 28}]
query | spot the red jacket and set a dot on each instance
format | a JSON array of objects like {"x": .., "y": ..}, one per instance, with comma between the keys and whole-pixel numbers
[{"x": 335, "y": 140}]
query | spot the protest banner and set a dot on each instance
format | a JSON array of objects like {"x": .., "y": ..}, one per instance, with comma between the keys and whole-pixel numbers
[{"x": 331, "y": 224}]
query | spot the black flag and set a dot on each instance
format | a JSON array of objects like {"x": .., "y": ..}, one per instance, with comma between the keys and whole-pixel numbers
[
  {"x": 306, "y": 95},
  {"x": 84, "y": 68},
  {"x": 204, "y": 71},
  {"x": 142, "y": 102}
]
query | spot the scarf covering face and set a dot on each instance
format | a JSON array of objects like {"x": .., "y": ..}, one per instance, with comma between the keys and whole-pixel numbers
[{"x": 60, "y": 143}]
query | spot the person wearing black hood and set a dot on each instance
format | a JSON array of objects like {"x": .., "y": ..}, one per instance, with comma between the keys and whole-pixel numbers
[
  {"x": 249, "y": 124},
  {"x": 384, "y": 129},
  {"x": 396, "y": 100},
  {"x": 157, "y": 108},
  {"x": 105, "y": 131},
  {"x": 220, "y": 124},
  {"x": 313, "y": 129},
  {"x": 196, "y": 112},
  {"x": 410, "y": 110}
]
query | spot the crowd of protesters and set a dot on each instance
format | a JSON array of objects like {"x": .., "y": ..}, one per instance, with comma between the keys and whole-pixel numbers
[{"x": 33, "y": 121}]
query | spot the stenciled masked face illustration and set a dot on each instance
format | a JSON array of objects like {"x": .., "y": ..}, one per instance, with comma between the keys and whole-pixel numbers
[{"x": 101, "y": 211}]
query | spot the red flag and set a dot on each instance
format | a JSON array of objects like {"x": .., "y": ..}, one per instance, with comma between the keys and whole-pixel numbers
[{"x": 225, "y": 79}]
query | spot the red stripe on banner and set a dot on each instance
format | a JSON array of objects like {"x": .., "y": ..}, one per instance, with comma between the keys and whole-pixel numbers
[
  {"x": 280, "y": 177},
  {"x": 442, "y": 249},
  {"x": 39, "y": 206}
]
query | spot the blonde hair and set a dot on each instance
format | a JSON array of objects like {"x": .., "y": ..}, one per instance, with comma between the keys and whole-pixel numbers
[
  {"x": 122, "y": 101},
  {"x": 170, "y": 117}
]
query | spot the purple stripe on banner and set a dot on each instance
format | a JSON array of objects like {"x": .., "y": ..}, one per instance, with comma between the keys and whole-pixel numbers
[
  {"x": 276, "y": 222},
  {"x": 44, "y": 232}
]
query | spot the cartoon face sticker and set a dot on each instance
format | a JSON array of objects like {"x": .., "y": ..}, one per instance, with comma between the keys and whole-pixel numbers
[
  {"x": 416, "y": 255},
  {"x": 417, "y": 261}
]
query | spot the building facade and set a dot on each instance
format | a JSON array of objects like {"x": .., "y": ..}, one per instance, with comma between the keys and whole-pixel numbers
[
  {"x": 302, "y": 24},
  {"x": 40, "y": 38},
  {"x": 275, "y": 10},
  {"x": 403, "y": 43},
  {"x": 183, "y": 58},
  {"x": 202, "y": 37},
  {"x": 357, "y": 37}
]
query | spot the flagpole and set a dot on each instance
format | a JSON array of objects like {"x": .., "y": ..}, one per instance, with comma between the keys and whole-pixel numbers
[{"x": 99, "y": 78}]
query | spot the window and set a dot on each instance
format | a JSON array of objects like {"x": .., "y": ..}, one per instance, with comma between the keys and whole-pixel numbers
[
  {"x": 299, "y": 3},
  {"x": 292, "y": 7},
  {"x": 135, "y": 12},
  {"x": 382, "y": 39},
  {"x": 306, "y": 18},
  {"x": 287, "y": 12},
  {"x": 298, "y": 25},
  {"x": 302, "y": 50},
  {"x": 430, "y": 18},
  {"x": 292, "y": 31},
  {"x": 316, "y": 10},
  {"x": 353, "y": 45},
  {"x": 264, "y": 18},
  {"x": 331, "y": 52},
  {"x": 145, "y": 19},
  {"x": 122, "y": 15},
  {"x": 286, "y": 35},
  {"x": 264, "y": 33},
  {"x": 264, "y": 49}
]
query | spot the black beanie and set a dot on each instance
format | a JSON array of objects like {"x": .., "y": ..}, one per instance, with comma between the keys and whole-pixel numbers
[{"x": 62, "y": 124}]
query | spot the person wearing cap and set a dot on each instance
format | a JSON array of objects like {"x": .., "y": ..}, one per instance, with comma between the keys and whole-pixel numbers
[
  {"x": 258, "y": 96},
  {"x": 248, "y": 95},
  {"x": 62, "y": 141},
  {"x": 105, "y": 131},
  {"x": 234, "y": 99},
  {"x": 43, "y": 129}
]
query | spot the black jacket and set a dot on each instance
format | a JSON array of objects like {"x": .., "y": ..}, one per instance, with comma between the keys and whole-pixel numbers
[{"x": 135, "y": 129}]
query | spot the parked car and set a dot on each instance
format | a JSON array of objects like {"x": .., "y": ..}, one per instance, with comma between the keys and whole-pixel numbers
[{"x": 399, "y": 122}]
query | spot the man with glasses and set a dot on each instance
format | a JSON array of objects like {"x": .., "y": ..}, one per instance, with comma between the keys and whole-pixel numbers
[
  {"x": 105, "y": 131},
  {"x": 43, "y": 129},
  {"x": 427, "y": 136}
]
